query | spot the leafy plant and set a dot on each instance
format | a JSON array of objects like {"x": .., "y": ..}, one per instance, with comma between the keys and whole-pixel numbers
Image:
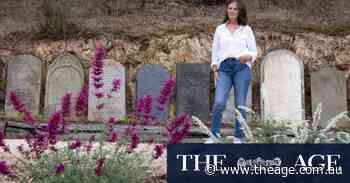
[
  {"x": 285, "y": 131},
  {"x": 111, "y": 157}
]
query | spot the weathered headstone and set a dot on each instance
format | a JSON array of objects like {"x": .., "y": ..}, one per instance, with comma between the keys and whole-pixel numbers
[
  {"x": 64, "y": 75},
  {"x": 229, "y": 114},
  {"x": 2, "y": 127},
  {"x": 24, "y": 77},
  {"x": 150, "y": 81},
  {"x": 192, "y": 90},
  {"x": 282, "y": 86},
  {"x": 328, "y": 86},
  {"x": 113, "y": 102}
]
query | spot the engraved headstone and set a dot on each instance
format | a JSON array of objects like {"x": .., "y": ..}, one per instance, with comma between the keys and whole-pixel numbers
[
  {"x": 192, "y": 90},
  {"x": 282, "y": 86},
  {"x": 328, "y": 86},
  {"x": 113, "y": 102},
  {"x": 64, "y": 75},
  {"x": 24, "y": 77},
  {"x": 150, "y": 81}
]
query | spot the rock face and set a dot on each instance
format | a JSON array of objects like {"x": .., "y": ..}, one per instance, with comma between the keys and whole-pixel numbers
[{"x": 171, "y": 48}]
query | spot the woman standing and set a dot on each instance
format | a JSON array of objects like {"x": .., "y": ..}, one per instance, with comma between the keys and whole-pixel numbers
[{"x": 233, "y": 53}]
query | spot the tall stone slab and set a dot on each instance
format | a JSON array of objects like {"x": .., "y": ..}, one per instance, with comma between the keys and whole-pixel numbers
[
  {"x": 192, "y": 90},
  {"x": 150, "y": 81},
  {"x": 24, "y": 77},
  {"x": 328, "y": 86},
  {"x": 282, "y": 86},
  {"x": 64, "y": 75},
  {"x": 113, "y": 102}
]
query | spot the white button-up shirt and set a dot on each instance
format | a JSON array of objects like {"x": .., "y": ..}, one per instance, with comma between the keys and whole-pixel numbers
[{"x": 228, "y": 44}]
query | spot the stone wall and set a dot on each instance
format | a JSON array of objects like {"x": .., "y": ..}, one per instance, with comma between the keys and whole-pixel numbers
[{"x": 315, "y": 50}]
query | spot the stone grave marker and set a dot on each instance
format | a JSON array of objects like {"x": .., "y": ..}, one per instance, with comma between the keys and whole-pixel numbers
[
  {"x": 24, "y": 77},
  {"x": 64, "y": 75},
  {"x": 192, "y": 90},
  {"x": 114, "y": 102},
  {"x": 282, "y": 86},
  {"x": 150, "y": 81},
  {"x": 328, "y": 86}
]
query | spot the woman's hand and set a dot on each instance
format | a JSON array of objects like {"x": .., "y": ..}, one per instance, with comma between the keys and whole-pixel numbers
[
  {"x": 245, "y": 58},
  {"x": 216, "y": 77},
  {"x": 216, "y": 73}
]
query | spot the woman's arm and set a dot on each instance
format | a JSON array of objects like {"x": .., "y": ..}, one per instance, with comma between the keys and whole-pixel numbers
[
  {"x": 214, "y": 52},
  {"x": 252, "y": 53}
]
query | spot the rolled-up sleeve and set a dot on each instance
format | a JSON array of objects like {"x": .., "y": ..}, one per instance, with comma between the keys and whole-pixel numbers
[
  {"x": 215, "y": 50},
  {"x": 251, "y": 44}
]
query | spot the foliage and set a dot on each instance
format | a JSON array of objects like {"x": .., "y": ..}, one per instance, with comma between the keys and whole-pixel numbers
[
  {"x": 111, "y": 157},
  {"x": 286, "y": 131}
]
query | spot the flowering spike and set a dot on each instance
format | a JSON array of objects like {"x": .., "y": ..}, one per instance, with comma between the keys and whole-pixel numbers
[
  {"x": 159, "y": 150},
  {"x": 99, "y": 166},
  {"x": 82, "y": 101},
  {"x": 66, "y": 105},
  {"x": 59, "y": 169},
  {"x": 165, "y": 94},
  {"x": 5, "y": 170}
]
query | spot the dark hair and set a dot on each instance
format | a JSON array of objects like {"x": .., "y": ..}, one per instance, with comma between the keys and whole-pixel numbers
[{"x": 242, "y": 18}]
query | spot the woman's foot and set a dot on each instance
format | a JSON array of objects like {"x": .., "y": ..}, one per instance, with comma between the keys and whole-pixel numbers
[
  {"x": 213, "y": 139},
  {"x": 237, "y": 140}
]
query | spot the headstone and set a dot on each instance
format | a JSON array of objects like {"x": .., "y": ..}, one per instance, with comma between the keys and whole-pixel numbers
[
  {"x": 229, "y": 114},
  {"x": 24, "y": 77},
  {"x": 192, "y": 90},
  {"x": 150, "y": 81},
  {"x": 114, "y": 102},
  {"x": 328, "y": 86},
  {"x": 2, "y": 127},
  {"x": 64, "y": 75},
  {"x": 282, "y": 86}
]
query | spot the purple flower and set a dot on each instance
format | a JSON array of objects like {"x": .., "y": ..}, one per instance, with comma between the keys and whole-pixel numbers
[
  {"x": 19, "y": 106},
  {"x": 112, "y": 137},
  {"x": 99, "y": 94},
  {"x": 40, "y": 143},
  {"x": 76, "y": 144},
  {"x": 5, "y": 170},
  {"x": 66, "y": 105},
  {"x": 82, "y": 101},
  {"x": 178, "y": 128},
  {"x": 139, "y": 108},
  {"x": 151, "y": 140},
  {"x": 59, "y": 169},
  {"x": 2, "y": 137},
  {"x": 98, "y": 85},
  {"x": 135, "y": 139},
  {"x": 99, "y": 166},
  {"x": 116, "y": 85},
  {"x": 28, "y": 116},
  {"x": 110, "y": 124},
  {"x": 100, "y": 106},
  {"x": 97, "y": 68},
  {"x": 147, "y": 109},
  {"x": 159, "y": 150},
  {"x": 165, "y": 94},
  {"x": 16, "y": 102},
  {"x": 54, "y": 126},
  {"x": 88, "y": 146}
]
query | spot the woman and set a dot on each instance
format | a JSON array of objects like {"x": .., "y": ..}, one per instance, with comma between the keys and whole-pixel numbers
[{"x": 233, "y": 53}]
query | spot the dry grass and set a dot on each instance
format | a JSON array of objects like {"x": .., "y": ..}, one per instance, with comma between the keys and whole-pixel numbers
[{"x": 135, "y": 18}]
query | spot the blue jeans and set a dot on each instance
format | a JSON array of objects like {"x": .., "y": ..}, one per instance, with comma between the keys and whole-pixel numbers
[{"x": 231, "y": 74}]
